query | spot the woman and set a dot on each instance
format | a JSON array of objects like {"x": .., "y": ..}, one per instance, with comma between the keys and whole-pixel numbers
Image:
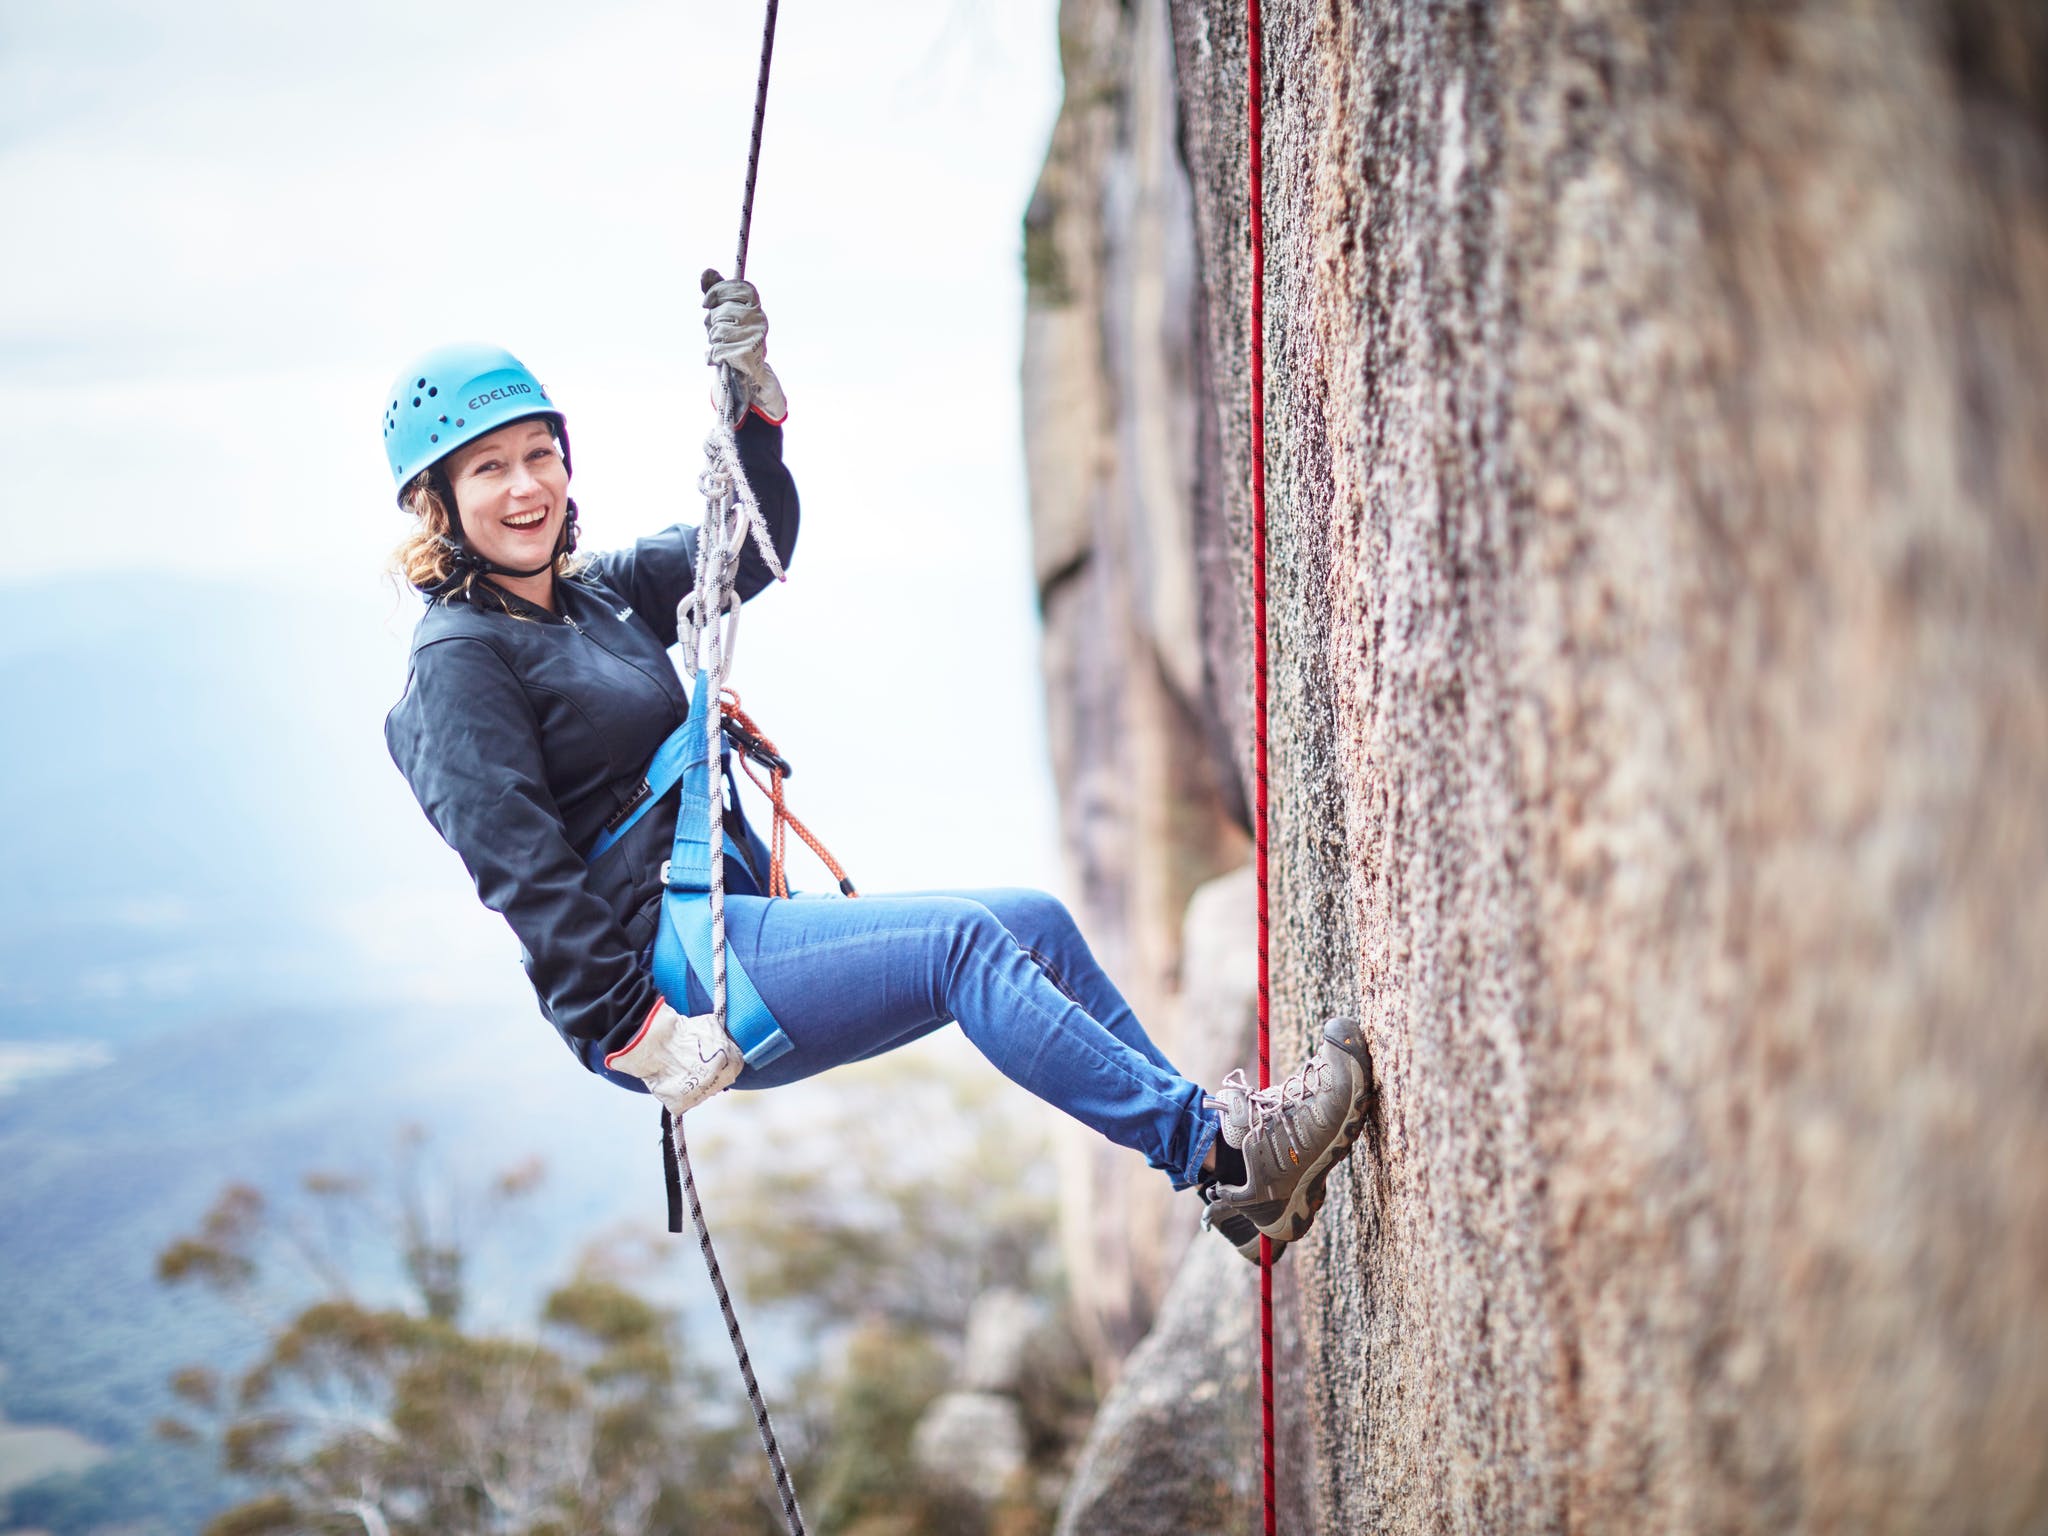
[{"x": 540, "y": 686}]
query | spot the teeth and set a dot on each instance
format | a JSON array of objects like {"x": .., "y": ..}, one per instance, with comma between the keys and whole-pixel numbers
[{"x": 525, "y": 522}]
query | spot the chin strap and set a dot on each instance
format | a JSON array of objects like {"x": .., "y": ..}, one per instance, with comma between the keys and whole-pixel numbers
[{"x": 465, "y": 562}]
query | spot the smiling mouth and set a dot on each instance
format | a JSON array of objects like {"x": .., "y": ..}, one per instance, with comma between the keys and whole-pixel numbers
[{"x": 528, "y": 520}]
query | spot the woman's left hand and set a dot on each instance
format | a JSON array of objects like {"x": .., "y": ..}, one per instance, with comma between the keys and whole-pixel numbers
[
  {"x": 738, "y": 332},
  {"x": 682, "y": 1058}
]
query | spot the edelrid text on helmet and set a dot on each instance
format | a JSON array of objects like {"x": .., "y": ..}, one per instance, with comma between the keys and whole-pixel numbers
[
  {"x": 454, "y": 395},
  {"x": 506, "y": 393}
]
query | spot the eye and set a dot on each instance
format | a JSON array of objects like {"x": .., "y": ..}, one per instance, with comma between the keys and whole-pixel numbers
[
  {"x": 540, "y": 454},
  {"x": 485, "y": 467}
]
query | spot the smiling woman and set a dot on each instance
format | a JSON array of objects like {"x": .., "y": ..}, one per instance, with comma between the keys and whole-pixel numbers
[{"x": 491, "y": 494}]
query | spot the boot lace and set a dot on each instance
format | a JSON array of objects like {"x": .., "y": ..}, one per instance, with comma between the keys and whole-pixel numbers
[{"x": 1262, "y": 1104}]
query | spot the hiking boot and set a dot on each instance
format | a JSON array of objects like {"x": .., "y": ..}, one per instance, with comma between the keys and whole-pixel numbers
[
  {"x": 1233, "y": 1226},
  {"x": 1291, "y": 1136}
]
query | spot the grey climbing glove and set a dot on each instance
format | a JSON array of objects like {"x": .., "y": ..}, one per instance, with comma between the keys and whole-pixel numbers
[
  {"x": 738, "y": 333},
  {"x": 682, "y": 1058}
]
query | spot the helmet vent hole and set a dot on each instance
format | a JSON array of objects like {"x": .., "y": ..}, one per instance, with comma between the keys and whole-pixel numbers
[
  {"x": 422, "y": 384},
  {"x": 458, "y": 421},
  {"x": 433, "y": 437},
  {"x": 415, "y": 399},
  {"x": 434, "y": 391}
]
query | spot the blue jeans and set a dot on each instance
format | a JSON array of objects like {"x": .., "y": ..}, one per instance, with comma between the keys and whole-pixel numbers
[{"x": 850, "y": 979}]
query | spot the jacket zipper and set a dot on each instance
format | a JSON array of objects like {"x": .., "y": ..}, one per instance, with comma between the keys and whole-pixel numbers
[{"x": 593, "y": 637}]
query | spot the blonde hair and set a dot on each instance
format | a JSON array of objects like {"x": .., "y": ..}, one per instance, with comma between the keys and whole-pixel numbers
[{"x": 426, "y": 559}]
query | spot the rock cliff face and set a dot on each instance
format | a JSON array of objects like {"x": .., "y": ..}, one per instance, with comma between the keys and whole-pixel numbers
[
  {"x": 1112, "y": 440},
  {"x": 1658, "y": 450}
]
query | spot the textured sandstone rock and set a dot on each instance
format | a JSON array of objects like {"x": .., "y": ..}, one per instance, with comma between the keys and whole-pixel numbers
[
  {"x": 1658, "y": 414},
  {"x": 1219, "y": 1002},
  {"x": 1017, "y": 1346},
  {"x": 1174, "y": 1448},
  {"x": 1004, "y": 1328},
  {"x": 971, "y": 1444},
  {"x": 1660, "y": 404},
  {"x": 1111, "y": 433}
]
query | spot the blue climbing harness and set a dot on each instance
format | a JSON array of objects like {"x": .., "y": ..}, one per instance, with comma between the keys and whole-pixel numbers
[{"x": 682, "y": 942}]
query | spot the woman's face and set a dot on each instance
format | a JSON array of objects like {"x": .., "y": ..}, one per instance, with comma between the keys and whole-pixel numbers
[{"x": 512, "y": 492}]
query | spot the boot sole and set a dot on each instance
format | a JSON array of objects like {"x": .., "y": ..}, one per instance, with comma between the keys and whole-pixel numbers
[
  {"x": 1252, "y": 1258},
  {"x": 1249, "y": 1250},
  {"x": 1310, "y": 1193},
  {"x": 1252, "y": 1254}
]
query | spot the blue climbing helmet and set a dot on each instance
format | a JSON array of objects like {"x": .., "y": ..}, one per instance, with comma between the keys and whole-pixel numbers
[{"x": 454, "y": 395}]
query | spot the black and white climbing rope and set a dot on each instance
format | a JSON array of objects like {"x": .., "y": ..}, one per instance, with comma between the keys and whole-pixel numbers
[{"x": 707, "y": 623}]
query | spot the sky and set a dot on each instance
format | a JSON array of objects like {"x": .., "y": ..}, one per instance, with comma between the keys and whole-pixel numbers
[{"x": 232, "y": 224}]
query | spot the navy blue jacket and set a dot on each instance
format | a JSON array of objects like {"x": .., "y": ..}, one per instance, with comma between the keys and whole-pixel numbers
[{"x": 522, "y": 732}]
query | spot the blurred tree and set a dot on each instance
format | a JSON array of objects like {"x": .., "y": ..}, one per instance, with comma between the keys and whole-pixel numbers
[
  {"x": 861, "y": 1231},
  {"x": 393, "y": 1418},
  {"x": 887, "y": 1376},
  {"x": 378, "y": 1407}
]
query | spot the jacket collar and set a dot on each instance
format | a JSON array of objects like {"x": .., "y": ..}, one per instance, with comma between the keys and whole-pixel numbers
[
  {"x": 486, "y": 596},
  {"x": 513, "y": 603}
]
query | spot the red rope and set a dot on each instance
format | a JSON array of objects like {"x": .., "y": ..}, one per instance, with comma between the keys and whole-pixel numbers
[{"x": 1253, "y": 91}]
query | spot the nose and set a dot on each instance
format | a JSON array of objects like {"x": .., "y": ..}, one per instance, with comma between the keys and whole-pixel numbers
[{"x": 524, "y": 481}]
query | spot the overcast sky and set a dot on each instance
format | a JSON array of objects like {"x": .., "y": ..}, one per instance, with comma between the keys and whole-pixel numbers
[{"x": 231, "y": 224}]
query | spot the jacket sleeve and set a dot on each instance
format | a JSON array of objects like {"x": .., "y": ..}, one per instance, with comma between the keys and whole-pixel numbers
[
  {"x": 656, "y": 572},
  {"x": 466, "y": 739}
]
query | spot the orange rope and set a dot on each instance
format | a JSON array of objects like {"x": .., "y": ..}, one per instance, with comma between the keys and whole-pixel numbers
[{"x": 778, "y": 878}]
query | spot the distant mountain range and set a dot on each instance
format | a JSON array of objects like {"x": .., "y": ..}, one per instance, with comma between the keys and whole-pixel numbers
[{"x": 196, "y": 778}]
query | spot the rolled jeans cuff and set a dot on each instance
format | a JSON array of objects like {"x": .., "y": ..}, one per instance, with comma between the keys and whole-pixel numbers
[{"x": 1208, "y": 1125}]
